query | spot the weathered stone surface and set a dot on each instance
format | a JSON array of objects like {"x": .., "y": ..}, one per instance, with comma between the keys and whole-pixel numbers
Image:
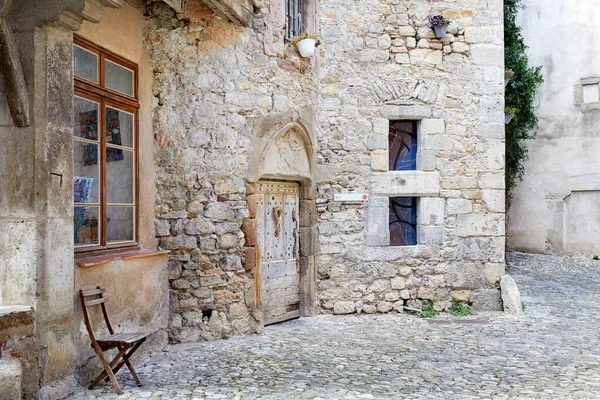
[
  {"x": 511, "y": 298},
  {"x": 10, "y": 378},
  {"x": 398, "y": 283},
  {"x": 344, "y": 307},
  {"x": 486, "y": 299},
  {"x": 221, "y": 90},
  {"x": 393, "y": 336}
]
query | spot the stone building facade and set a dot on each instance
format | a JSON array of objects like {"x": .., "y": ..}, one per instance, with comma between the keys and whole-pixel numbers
[
  {"x": 555, "y": 208},
  {"x": 265, "y": 176},
  {"x": 228, "y": 87}
]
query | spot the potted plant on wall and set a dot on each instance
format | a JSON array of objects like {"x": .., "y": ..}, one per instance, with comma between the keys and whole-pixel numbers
[
  {"x": 305, "y": 44},
  {"x": 439, "y": 25}
]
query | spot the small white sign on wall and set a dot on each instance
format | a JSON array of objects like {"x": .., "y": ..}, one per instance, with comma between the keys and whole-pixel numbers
[
  {"x": 591, "y": 93},
  {"x": 351, "y": 197}
]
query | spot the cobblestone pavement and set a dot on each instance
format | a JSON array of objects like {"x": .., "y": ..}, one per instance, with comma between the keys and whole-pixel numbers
[{"x": 551, "y": 352}]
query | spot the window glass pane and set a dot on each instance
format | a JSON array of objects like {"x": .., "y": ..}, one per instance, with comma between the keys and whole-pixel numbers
[
  {"x": 403, "y": 221},
  {"x": 118, "y": 78},
  {"x": 119, "y": 224},
  {"x": 402, "y": 140},
  {"x": 86, "y": 173},
  {"x": 119, "y": 127},
  {"x": 85, "y": 220},
  {"x": 119, "y": 176},
  {"x": 85, "y": 119},
  {"x": 85, "y": 64}
]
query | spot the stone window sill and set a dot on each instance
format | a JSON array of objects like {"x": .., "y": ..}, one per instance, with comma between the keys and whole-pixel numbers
[{"x": 84, "y": 262}]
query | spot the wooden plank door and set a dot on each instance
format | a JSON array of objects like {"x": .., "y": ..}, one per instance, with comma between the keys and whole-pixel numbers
[{"x": 278, "y": 224}]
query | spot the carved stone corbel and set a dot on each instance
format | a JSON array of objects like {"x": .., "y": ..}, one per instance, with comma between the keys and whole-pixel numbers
[{"x": 11, "y": 71}]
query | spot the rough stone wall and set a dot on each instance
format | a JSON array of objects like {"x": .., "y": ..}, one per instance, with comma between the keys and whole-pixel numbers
[
  {"x": 214, "y": 80},
  {"x": 555, "y": 207},
  {"x": 380, "y": 62}
]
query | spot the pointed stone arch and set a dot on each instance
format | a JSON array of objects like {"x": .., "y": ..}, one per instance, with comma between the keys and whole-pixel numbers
[{"x": 283, "y": 152}]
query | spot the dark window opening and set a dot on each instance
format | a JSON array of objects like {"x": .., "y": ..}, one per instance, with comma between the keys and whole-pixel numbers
[
  {"x": 294, "y": 19},
  {"x": 403, "y": 221},
  {"x": 402, "y": 140}
]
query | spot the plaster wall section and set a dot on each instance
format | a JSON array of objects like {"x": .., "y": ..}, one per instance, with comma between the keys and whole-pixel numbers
[
  {"x": 380, "y": 62},
  {"x": 219, "y": 89},
  {"x": 143, "y": 306},
  {"x": 562, "y": 168}
]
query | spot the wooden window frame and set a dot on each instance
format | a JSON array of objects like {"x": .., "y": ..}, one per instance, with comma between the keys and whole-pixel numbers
[{"x": 106, "y": 97}]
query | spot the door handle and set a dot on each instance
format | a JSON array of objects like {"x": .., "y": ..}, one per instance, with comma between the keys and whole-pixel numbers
[{"x": 278, "y": 215}]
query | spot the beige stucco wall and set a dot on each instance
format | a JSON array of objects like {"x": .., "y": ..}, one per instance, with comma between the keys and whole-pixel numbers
[
  {"x": 137, "y": 288},
  {"x": 137, "y": 292},
  {"x": 121, "y": 32},
  {"x": 563, "y": 158}
]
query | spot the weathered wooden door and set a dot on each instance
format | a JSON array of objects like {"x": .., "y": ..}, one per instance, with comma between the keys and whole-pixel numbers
[{"x": 277, "y": 215}]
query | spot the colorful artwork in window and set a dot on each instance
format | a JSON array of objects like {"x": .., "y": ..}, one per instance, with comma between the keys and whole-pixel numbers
[
  {"x": 90, "y": 154},
  {"x": 88, "y": 125},
  {"x": 403, "y": 221},
  {"x": 113, "y": 135},
  {"x": 402, "y": 140}
]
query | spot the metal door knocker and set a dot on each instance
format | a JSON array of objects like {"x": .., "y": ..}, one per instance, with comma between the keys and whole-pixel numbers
[{"x": 278, "y": 214}]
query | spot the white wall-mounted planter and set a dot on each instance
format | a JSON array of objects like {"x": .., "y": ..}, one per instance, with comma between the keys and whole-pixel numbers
[
  {"x": 306, "y": 47},
  {"x": 440, "y": 30}
]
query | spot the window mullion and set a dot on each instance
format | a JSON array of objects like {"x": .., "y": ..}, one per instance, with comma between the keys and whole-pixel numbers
[{"x": 101, "y": 139}]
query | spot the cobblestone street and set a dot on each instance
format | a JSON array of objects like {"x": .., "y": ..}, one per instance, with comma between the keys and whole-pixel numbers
[{"x": 553, "y": 351}]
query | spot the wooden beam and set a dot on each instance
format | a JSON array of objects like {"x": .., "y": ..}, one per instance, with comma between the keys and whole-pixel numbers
[{"x": 11, "y": 71}]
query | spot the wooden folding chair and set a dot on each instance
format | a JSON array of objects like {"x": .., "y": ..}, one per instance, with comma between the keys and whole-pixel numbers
[{"x": 126, "y": 343}]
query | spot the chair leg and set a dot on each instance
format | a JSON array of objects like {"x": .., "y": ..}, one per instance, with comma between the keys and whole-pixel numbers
[
  {"x": 107, "y": 371},
  {"x": 104, "y": 375},
  {"x": 130, "y": 366},
  {"x": 128, "y": 363}
]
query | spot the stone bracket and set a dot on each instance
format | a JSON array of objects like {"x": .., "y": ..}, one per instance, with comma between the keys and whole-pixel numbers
[
  {"x": 238, "y": 11},
  {"x": 12, "y": 72}
]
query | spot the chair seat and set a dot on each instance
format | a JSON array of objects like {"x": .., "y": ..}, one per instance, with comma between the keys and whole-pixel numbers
[{"x": 121, "y": 339}]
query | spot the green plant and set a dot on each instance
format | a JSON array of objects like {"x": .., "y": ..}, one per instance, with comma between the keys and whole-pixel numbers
[
  {"x": 458, "y": 309},
  {"x": 511, "y": 111},
  {"x": 519, "y": 96},
  {"x": 305, "y": 35},
  {"x": 595, "y": 257},
  {"x": 428, "y": 311}
]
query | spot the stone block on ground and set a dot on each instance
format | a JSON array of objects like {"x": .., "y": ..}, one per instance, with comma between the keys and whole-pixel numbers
[
  {"x": 10, "y": 378},
  {"x": 511, "y": 298},
  {"x": 486, "y": 300}
]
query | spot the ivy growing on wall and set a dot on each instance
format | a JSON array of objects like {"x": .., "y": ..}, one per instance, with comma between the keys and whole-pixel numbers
[{"x": 519, "y": 97}]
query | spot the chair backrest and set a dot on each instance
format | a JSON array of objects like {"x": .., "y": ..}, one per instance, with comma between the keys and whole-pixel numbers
[{"x": 98, "y": 299}]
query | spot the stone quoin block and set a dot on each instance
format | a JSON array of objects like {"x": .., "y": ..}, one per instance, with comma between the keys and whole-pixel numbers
[
  {"x": 379, "y": 160},
  {"x": 377, "y": 222},
  {"x": 250, "y": 230},
  {"x": 308, "y": 213},
  {"x": 430, "y": 211}
]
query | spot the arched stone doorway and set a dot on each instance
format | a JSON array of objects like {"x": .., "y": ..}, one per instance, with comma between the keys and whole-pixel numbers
[{"x": 282, "y": 204}]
